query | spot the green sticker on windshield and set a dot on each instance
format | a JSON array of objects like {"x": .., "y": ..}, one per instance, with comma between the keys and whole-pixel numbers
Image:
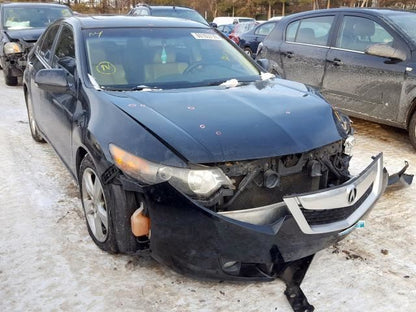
[{"x": 105, "y": 68}]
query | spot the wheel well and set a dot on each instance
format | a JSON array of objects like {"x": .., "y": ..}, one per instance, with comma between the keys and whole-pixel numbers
[
  {"x": 412, "y": 111},
  {"x": 79, "y": 157},
  {"x": 25, "y": 91}
]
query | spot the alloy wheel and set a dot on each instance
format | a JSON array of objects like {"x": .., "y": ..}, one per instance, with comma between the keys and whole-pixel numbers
[{"x": 95, "y": 205}]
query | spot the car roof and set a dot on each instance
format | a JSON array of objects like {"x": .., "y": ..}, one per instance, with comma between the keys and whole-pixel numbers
[
  {"x": 173, "y": 7},
  {"x": 370, "y": 11},
  {"x": 120, "y": 21},
  {"x": 33, "y": 4}
]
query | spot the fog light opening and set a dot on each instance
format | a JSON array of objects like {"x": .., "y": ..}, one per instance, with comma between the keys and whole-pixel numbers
[{"x": 231, "y": 267}]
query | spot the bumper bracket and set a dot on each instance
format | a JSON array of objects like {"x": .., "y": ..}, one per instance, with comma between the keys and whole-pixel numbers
[
  {"x": 292, "y": 274},
  {"x": 401, "y": 177}
]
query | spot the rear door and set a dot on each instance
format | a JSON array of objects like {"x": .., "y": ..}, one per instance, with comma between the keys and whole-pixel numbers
[
  {"x": 360, "y": 84},
  {"x": 305, "y": 47}
]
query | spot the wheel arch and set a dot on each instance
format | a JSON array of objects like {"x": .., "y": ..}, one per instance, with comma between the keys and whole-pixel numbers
[
  {"x": 81, "y": 152},
  {"x": 410, "y": 113},
  {"x": 25, "y": 90}
]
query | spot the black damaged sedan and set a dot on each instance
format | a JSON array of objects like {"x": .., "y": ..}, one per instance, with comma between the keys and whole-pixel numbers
[
  {"x": 217, "y": 168},
  {"x": 21, "y": 24}
]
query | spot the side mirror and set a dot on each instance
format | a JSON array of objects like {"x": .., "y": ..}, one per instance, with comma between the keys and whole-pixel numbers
[
  {"x": 68, "y": 63},
  {"x": 52, "y": 80},
  {"x": 385, "y": 50},
  {"x": 264, "y": 63},
  {"x": 213, "y": 25},
  {"x": 270, "y": 66}
]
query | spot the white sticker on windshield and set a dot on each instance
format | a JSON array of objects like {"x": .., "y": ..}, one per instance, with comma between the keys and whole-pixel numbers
[{"x": 204, "y": 36}]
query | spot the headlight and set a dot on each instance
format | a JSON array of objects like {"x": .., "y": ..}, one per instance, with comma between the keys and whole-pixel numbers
[
  {"x": 345, "y": 122},
  {"x": 202, "y": 181},
  {"x": 12, "y": 48}
]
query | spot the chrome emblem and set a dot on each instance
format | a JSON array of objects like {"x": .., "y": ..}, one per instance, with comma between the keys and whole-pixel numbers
[{"x": 352, "y": 195}]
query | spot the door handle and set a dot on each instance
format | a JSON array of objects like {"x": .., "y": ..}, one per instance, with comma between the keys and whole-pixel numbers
[
  {"x": 288, "y": 54},
  {"x": 335, "y": 62}
]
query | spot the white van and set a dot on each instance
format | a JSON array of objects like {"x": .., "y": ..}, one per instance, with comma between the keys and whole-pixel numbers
[{"x": 225, "y": 20}]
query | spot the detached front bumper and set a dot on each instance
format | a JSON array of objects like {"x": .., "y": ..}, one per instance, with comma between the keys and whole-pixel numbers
[{"x": 257, "y": 243}]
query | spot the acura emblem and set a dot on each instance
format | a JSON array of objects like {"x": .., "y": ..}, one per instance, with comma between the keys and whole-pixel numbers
[{"x": 352, "y": 194}]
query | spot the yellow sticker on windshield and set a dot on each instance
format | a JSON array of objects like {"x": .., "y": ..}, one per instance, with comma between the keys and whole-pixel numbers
[
  {"x": 204, "y": 36},
  {"x": 105, "y": 68}
]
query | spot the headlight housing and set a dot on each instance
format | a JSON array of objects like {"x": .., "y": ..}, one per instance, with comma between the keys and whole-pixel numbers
[
  {"x": 345, "y": 122},
  {"x": 200, "y": 181},
  {"x": 12, "y": 48}
]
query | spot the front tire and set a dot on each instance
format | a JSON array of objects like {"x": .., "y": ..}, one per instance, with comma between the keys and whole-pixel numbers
[
  {"x": 107, "y": 211},
  {"x": 34, "y": 130},
  {"x": 8, "y": 79},
  {"x": 412, "y": 130}
]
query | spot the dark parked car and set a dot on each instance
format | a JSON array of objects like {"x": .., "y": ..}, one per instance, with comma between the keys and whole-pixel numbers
[
  {"x": 21, "y": 24},
  {"x": 218, "y": 168},
  {"x": 167, "y": 11},
  {"x": 240, "y": 29},
  {"x": 362, "y": 60},
  {"x": 249, "y": 41},
  {"x": 226, "y": 29}
]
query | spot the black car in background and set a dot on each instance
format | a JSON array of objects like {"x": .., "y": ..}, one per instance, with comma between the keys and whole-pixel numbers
[
  {"x": 167, "y": 11},
  {"x": 218, "y": 168},
  {"x": 362, "y": 60},
  {"x": 21, "y": 24},
  {"x": 250, "y": 40}
]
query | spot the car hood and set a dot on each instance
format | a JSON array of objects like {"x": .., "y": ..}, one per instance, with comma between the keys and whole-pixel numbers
[
  {"x": 30, "y": 34},
  {"x": 217, "y": 124}
]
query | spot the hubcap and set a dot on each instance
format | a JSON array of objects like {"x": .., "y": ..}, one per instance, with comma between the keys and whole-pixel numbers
[{"x": 94, "y": 205}]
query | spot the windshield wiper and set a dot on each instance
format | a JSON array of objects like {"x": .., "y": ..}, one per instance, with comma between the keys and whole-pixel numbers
[
  {"x": 112, "y": 88},
  {"x": 144, "y": 88},
  {"x": 229, "y": 83}
]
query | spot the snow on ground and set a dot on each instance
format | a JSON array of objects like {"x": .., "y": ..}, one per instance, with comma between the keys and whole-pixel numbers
[{"x": 48, "y": 262}]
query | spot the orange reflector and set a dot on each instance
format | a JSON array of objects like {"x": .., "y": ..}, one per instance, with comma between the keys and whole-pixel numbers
[{"x": 140, "y": 224}]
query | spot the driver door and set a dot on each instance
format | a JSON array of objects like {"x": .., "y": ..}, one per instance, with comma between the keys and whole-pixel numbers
[{"x": 60, "y": 107}]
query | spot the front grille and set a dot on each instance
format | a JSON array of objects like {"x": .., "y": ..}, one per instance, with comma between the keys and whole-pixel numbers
[{"x": 318, "y": 217}]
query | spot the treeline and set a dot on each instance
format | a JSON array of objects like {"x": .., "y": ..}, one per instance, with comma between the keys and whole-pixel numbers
[{"x": 259, "y": 9}]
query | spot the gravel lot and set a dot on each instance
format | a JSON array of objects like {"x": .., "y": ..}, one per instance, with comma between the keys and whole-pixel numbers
[{"x": 49, "y": 263}]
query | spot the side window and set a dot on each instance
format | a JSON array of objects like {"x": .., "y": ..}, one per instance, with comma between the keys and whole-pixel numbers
[
  {"x": 314, "y": 30},
  {"x": 357, "y": 33},
  {"x": 264, "y": 30},
  {"x": 291, "y": 30},
  {"x": 47, "y": 41},
  {"x": 65, "y": 50}
]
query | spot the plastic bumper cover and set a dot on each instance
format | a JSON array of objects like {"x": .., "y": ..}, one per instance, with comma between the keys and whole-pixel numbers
[{"x": 256, "y": 243}]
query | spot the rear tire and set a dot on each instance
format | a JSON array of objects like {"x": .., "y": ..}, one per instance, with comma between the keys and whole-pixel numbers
[
  {"x": 412, "y": 130},
  {"x": 107, "y": 210},
  {"x": 248, "y": 51}
]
